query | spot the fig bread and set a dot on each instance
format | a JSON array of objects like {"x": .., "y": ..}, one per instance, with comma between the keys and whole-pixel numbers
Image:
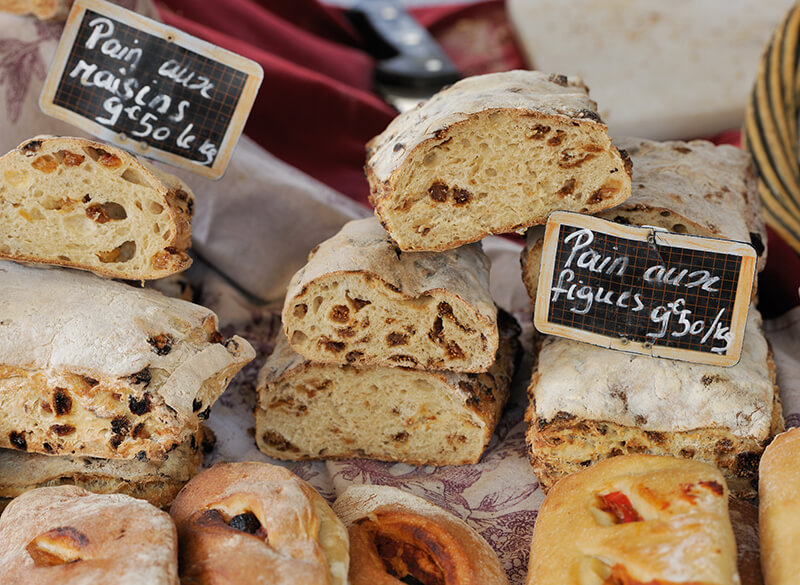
[
  {"x": 79, "y": 203},
  {"x": 589, "y": 403},
  {"x": 98, "y": 368},
  {"x": 693, "y": 188},
  {"x": 317, "y": 411},
  {"x": 493, "y": 154},
  {"x": 362, "y": 301}
]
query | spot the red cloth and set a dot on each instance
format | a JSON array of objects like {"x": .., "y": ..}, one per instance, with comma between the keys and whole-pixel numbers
[{"x": 316, "y": 110}]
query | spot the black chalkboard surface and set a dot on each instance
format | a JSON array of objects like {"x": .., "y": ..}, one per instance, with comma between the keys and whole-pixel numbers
[
  {"x": 644, "y": 290},
  {"x": 150, "y": 88}
]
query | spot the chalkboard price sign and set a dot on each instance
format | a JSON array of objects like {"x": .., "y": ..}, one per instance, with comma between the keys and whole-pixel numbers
[
  {"x": 644, "y": 290},
  {"x": 150, "y": 88}
]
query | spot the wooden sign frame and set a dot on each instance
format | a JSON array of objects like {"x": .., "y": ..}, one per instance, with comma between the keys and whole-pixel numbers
[
  {"x": 656, "y": 238},
  {"x": 147, "y": 145}
]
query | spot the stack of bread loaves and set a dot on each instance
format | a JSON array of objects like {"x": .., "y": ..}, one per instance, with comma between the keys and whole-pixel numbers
[
  {"x": 102, "y": 384},
  {"x": 589, "y": 403},
  {"x": 394, "y": 348}
]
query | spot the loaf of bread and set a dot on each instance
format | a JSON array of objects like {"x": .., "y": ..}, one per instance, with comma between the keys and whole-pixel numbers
[
  {"x": 75, "y": 202},
  {"x": 360, "y": 301},
  {"x": 693, "y": 188},
  {"x": 97, "y": 368},
  {"x": 588, "y": 403},
  {"x": 635, "y": 519},
  {"x": 41, "y": 9},
  {"x": 158, "y": 482},
  {"x": 258, "y": 523},
  {"x": 397, "y": 537},
  {"x": 493, "y": 154},
  {"x": 69, "y": 536},
  {"x": 316, "y": 411},
  {"x": 779, "y": 509}
]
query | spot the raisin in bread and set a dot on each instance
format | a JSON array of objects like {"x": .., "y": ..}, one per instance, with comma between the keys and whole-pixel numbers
[
  {"x": 317, "y": 411},
  {"x": 589, "y": 403},
  {"x": 98, "y": 368},
  {"x": 493, "y": 154},
  {"x": 361, "y": 301},
  {"x": 635, "y": 519},
  {"x": 75, "y": 202},
  {"x": 693, "y": 188}
]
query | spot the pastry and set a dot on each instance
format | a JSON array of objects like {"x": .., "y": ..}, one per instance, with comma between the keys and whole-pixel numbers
[
  {"x": 635, "y": 519},
  {"x": 588, "y": 403},
  {"x": 360, "y": 301},
  {"x": 41, "y": 9},
  {"x": 779, "y": 509},
  {"x": 69, "y": 536},
  {"x": 98, "y": 368},
  {"x": 158, "y": 482},
  {"x": 315, "y": 411},
  {"x": 396, "y": 536},
  {"x": 79, "y": 203},
  {"x": 493, "y": 154},
  {"x": 693, "y": 188},
  {"x": 258, "y": 523}
]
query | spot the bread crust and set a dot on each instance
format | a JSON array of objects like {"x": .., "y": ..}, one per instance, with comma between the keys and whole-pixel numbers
[
  {"x": 84, "y": 204},
  {"x": 394, "y": 532},
  {"x": 639, "y": 518},
  {"x": 394, "y": 414},
  {"x": 361, "y": 301},
  {"x": 67, "y": 535},
  {"x": 779, "y": 509},
  {"x": 290, "y": 536},
  {"x": 130, "y": 374},
  {"x": 433, "y": 189},
  {"x": 589, "y": 403}
]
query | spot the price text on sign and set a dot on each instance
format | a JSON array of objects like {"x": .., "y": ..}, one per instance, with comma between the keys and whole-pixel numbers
[
  {"x": 150, "y": 88},
  {"x": 643, "y": 290}
]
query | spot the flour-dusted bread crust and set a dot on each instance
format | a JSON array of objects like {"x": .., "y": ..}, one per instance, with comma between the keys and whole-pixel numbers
[
  {"x": 589, "y": 403},
  {"x": 360, "y": 301},
  {"x": 69, "y": 536},
  {"x": 84, "y": 204},
  {"x": 98, "y": 368},
  {"x": 635, "y": 519},
  {"x": 158, "y": 482},
  {"x": 41, "y": 9},
  {"x": 693, "y": 188},
  {"x": 779, "y": 509},
  {"x": 493, "y": 154},
  {"x": 316, "y": 411},
  {"x": 395, "y": 535},
  {"x": 258, "y": 523}
]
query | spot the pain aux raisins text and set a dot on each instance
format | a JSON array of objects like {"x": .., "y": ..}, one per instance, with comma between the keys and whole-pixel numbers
[
  {"x": 159, "y": 116},
  {"x": 671, "y": 320}
]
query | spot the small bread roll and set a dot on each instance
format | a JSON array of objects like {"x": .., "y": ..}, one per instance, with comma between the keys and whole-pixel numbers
[
  {"x": 84, "y": 204},
  {"x": 493, "y": 154},
  {"x": 67, "y": 536},
  {"x": 635, "y": 519},
  {"x": 779, "y": 509},
  {"x": 258, "y": 523},
  {"x": 396, "y": 536}
]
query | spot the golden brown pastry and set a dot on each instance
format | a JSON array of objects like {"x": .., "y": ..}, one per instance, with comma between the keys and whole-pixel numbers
[
  {"x": 257, "y": 523},
  {"x": 399, "y": 537}
]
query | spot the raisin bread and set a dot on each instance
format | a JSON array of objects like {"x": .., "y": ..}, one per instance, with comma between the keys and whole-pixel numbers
[
  {"x": 316, "y": 411},
  {"x": 69, "y": 536},
  {"x": 693, "y": 188},
  {"x": 99, "y": 368},
  {"x": 396, "y": 537},
  {"x": 75, "y": 202},
  {"x": 493, "y": 154},
  {"x": 361, "y": 301},
  {"x": 588, "y": 403},
  {"x": 635, "y": 519}
]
